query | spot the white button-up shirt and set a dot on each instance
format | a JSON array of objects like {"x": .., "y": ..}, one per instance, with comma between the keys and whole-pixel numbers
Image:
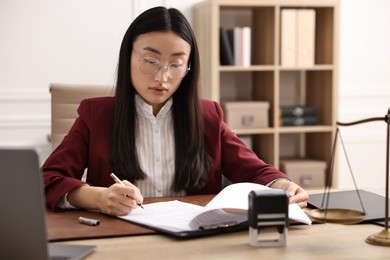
[{"x": 155, "y": 144}]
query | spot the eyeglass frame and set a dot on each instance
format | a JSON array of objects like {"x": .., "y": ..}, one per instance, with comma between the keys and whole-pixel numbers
[{"x": 160, "y": 65}]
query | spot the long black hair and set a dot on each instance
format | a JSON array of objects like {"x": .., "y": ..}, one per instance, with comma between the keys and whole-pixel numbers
[{"x": 191, "y": 159}]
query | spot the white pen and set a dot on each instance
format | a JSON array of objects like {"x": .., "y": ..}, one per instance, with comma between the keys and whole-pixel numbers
[{"x": 117, "y": 180}]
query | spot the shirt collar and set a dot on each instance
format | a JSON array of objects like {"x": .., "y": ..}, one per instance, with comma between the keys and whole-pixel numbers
[{"x": 147, "y": 110}]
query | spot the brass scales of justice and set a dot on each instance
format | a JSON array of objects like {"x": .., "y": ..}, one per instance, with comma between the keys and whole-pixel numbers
[{"x": 349, "y": 216}]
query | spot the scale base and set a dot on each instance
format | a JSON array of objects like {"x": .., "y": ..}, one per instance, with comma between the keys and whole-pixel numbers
[{"x": 379, "y": 239}]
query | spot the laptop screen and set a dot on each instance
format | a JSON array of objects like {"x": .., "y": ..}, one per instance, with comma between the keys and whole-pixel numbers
[{"x": 22, "y": 218}]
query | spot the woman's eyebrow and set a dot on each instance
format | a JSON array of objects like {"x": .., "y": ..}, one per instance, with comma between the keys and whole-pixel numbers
[{"x": 180, "y": 53}]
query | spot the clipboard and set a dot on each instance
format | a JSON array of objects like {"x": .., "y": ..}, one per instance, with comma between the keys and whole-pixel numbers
[{"x": 195, "y": 233}]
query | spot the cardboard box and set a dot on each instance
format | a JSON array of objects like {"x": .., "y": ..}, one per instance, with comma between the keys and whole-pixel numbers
[
  {"x": 305, "y": 172},
  {"x": 246, "y": 114}
]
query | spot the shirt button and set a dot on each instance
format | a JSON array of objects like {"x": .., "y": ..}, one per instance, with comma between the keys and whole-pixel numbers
[
  {"x": 158, "y": 159},
  {"x": 156, "y": 131}
]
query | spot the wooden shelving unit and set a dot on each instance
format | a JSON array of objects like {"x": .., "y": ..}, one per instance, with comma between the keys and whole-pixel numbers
[{"x": 267, "y": 80}]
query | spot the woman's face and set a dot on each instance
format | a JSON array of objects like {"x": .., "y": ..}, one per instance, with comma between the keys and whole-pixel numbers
[{"x": 154, "y": 85}]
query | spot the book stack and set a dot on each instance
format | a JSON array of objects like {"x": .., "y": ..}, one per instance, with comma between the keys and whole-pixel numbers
[
  {"x": 235, "y": 46},
  {"x": 297, "y": 37},
  {"x": 298, "y": 116}
]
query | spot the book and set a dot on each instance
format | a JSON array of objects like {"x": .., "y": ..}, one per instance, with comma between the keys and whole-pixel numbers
[
  {"x": 297, "y": 111},
  {"x": 246, "y": 45},
  {"x": 298, "y": 120},
  {"x": 237, "y": 45},
  {"x": 242, "y": 44},
  {"x": 228, "y": 209},
  {"x": 230, "y": 36},
  {"x": 225, "y": 48}
]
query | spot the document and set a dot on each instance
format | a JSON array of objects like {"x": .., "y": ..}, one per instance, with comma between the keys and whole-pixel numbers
[{"x": 228, "y": 208}]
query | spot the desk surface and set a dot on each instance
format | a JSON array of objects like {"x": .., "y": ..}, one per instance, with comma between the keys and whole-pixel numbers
[
  {"x": 318, "y": 241},
  {"x": 64, "y": 225}
]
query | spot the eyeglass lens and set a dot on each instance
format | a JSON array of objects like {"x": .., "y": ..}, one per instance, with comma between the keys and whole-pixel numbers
[{"x": 151, "y": 66}]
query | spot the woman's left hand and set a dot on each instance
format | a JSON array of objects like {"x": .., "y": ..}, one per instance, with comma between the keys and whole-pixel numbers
[{"x": 296, "y": 193}]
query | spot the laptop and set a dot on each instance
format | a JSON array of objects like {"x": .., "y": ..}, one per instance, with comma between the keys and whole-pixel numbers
[{"x": 22, "y": 218}]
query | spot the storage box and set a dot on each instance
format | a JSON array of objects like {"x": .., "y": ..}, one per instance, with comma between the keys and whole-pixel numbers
[
  {"x": 246, "y": 114},
  {"x": 305, "y": 172}
]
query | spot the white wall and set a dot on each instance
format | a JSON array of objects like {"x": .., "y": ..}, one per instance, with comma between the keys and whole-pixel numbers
[
  {"x": 70, "y": 41},
  {"x": 47, "y": 41},
  {"x": 77, "y": 41},
  {"x": 364, "y": 84}
]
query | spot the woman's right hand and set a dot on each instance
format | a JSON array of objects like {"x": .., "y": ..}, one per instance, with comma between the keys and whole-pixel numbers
[{"x": 116, "y": 200}]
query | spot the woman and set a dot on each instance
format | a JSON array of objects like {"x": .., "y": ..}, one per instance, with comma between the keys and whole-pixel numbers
[{"x": 155, "y": 133}]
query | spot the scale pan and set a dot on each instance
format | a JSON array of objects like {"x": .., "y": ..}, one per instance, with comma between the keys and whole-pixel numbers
[{"x": 339, "y": 216}]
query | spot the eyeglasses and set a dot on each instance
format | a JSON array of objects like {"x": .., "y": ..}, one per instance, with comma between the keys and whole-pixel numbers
[{"x": 151, "y": 66}]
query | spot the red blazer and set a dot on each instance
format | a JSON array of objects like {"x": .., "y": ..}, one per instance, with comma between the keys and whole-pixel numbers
[{"x": 87, "y": 146}]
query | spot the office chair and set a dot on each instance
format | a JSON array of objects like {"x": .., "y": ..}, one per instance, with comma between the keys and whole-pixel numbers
[{"x": 65, "y": 99}]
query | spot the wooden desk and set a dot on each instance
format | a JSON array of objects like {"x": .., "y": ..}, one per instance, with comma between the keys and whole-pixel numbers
[
  {"x": 318, "y": 241},
  {"x": 64, "y": 225}
]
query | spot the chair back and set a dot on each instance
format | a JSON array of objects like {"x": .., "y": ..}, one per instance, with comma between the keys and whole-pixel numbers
[{"x": 65, "y": 99}]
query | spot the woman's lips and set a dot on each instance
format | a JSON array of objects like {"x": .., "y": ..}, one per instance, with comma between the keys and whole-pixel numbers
[{"x": 159, "y": 90}]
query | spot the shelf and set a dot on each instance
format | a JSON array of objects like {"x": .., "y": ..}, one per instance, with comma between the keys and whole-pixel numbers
[
  {"x": 285, "y": 130},
  {"x": 254, "y": 131},
  {"x": 305, "y": 129},
  {"x": 223, "y": 68},
  {"x": 266, "y": 79},
  {"x": 250, "y": 68},
  {"x": 308, "y": 68}
]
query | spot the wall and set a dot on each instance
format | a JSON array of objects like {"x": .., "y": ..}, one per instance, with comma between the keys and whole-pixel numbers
[
  {"x": 52, "y": 41},
  {"x": 77, "y": 41},
  {"x": 44, "y": 41},
  {"x": 364, "y": 83}
]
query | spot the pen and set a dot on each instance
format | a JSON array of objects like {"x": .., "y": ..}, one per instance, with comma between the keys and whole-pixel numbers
[{"x": 117, "y": 180}]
